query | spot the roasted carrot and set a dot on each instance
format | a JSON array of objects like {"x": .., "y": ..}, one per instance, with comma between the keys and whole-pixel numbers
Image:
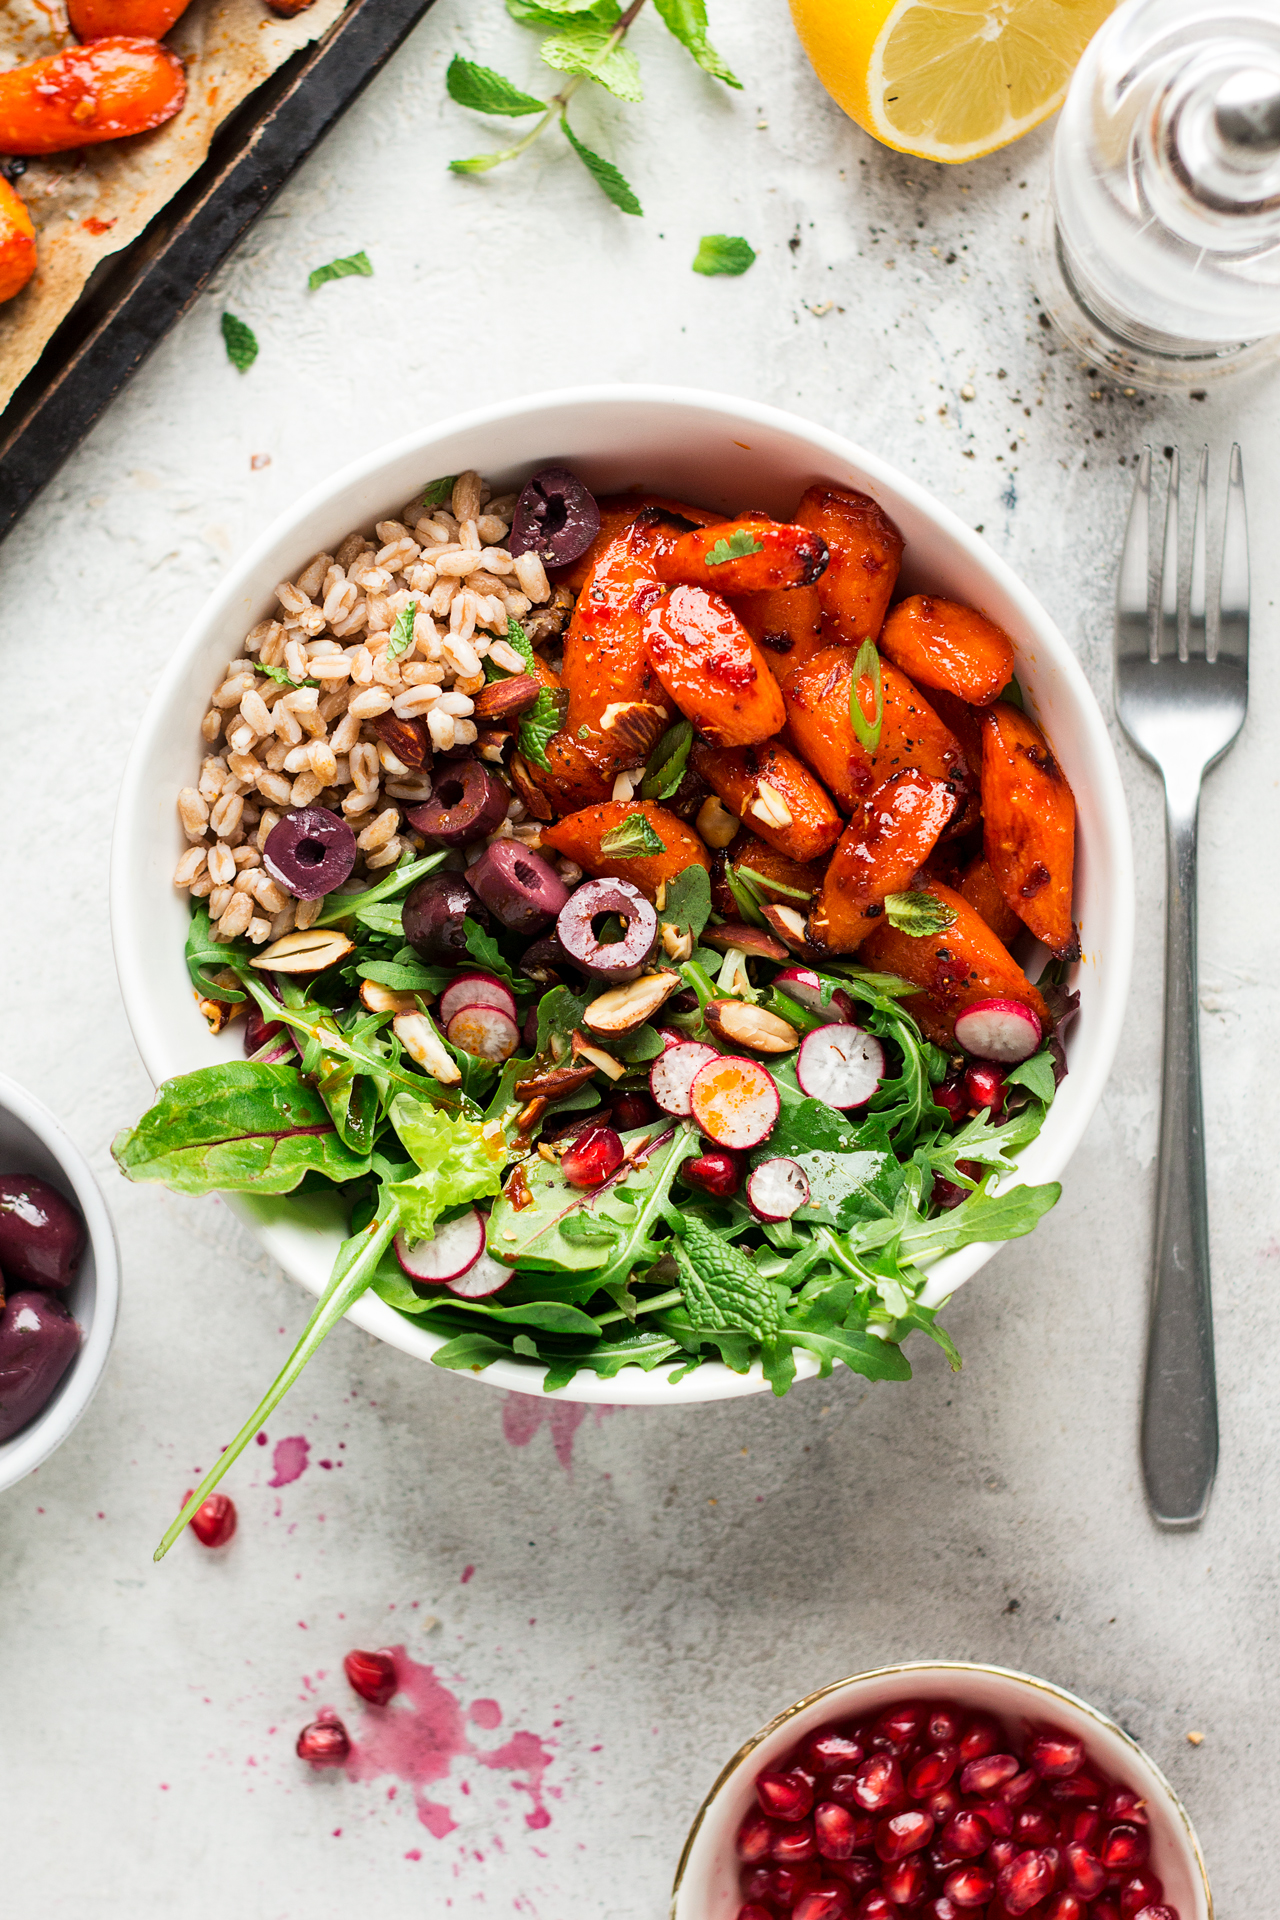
[
  {"x": 822, "y": 733},
  {"x": 132, "y": 19},
  {"x": 580, "y": 837},
  {"x": 17, "y": 242},
  {"x": 962, "y": 964},
  {"x": 865, "y": 553},
  {"x": 774, "y": 793},
  {"x": 979, "y": 886},
  {"x": 88, "y": 94},
  {"x": 748, "y": 555},
  {"x": 879, "y": 854},
  {"x": 619, "y": 511},
  {"x": 712, "y": 669},
  {"x": 613, "y": 691},
  {"x": 786, "y": 626},
  {"x": 577, "y": 774},
  {"x": 939, "y": 643},
  {"x": 1029, "y": 826},
  {"x": 775, "y": 877}
]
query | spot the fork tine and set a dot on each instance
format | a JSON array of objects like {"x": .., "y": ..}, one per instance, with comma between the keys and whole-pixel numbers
[
  {"x": 1196, "y": 615},
  {"x": 1133, "y": 624},
  {"x": 1167, "y": 631},
  {"x": 1233, "y": 597}
]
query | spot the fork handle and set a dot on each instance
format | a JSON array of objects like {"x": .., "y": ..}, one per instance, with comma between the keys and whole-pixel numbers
[{"x": 1179, "y": 1407}]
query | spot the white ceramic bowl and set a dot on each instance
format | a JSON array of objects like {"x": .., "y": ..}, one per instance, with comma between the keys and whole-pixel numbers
[
  {"x": 706, "y": 1883},
  {"x": 31, "y": 1141},
  {"x": 706, "y": 447}
]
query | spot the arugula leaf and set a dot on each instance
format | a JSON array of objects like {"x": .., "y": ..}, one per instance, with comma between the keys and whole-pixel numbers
[
  {"x": 736, "y": 547},
  {"x": 241, "y": 342},
  {"x": 485, "y": 91},
  {"x": 470, "y": 1352},
  {"x": 545, "y": 717},
  {"x": 687, "y": 902},
  {"x": 867, "y": 665},
  {"x": 603, "y": 172},
  {"x": 551, "y": 13},
  {"x": 634, "y": 837},
  {"x": 983, "y": 1216},
  {"x": 351, "y": 263},
  {"x": 1036, "y": 1074},
  {"x": 584, "y": 47},
  {"x": 666, "y": 764},
  {"x": 439, "y": 492},
  {"x": 488, "y": 955},
  {"x": 610, "y": 1229},
  {"x": 861, "y": 1352},
  {"x": 204, "y": 952},
  {"x": 559, "y": 1013},
  {"x": 978, "y": 1140},
  {"x": 918, "y": 913},
  {"x": 687, "y": 20},
  {"x": 402, "y": 634},
  {"x": 354, "y": 906},
  {"x": 726, "y": 253},
  {"x": 406, "y": 976}
]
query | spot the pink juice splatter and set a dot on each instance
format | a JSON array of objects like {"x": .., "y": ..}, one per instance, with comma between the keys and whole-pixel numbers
[
  {"x": 524, "y": 1413},
  {"x": 289, "y": 1461}
]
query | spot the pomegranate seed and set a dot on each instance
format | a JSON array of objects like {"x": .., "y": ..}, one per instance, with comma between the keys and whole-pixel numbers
[
  {"x": 373, "y": 1675},
  {"x": 632, "y": 1110},
  {"x": 904, "y": 1882},
  {"x": 787, "y": 1796},
  {"x": 985, "y": 1088},
  {"x": 593, "y": 1156},
  {"x": 1026, "y": 1881},
  {"x": 970, "y": 1887},
  {"x": 858, "y": 1873},
  {"x": 1054, "y": 1755},
  {"x": 943, "y": 1727},
  {"x": 324, "y": 1743},
  {"x": 904, "y": 1833},
  {"x": 827, "y": 1752},
  {"x": 1124, "y": 1847},
  {"x": 844, "y": 1788},
  {"x": 756, "y": 1883},
  {"x": 755, "y": 1837},
  {"x": 874, "y": 1906},
  {"x": 980, "y": 1737},
  {"x": 942, "y": 1909},
  {"x": 1105, "y": 1910},
  {"x": 1077, "y": 1786},
  {"x": 899, "y": 1727},
  {"x": 878, "y": 1784},
  {"x": 1020, "y": 1789},
  {"x": 794, "y": 1843},
  {"x": 1034, "y": 1827},
  {"x": 1065, "y": 1907},
  {"x": 753, "y": 1911},
  {"x": 933, "y": 1771},
  {"x": 1086, "y": 1875},
  {"x": 1157, "y": 1913},
  {"x": 829, "y": 1900},
  {"x": 786, "y": 1884},
  {"x": 967, "y": 1836},
  {"x": 952, "y": 1098},
  {"x": 717, "y": 1172},
  {"x": 1001, "y": 1853},
  {"x": 986, "y": 1775},
  {"x": 998, "y": 1817},
  {"x": 1123, "y": 1804},
  {"x": 1143, "y": 1890},
  {"x": 943, "y": 1804},
  {"x": 836, "y": 1830},
  {"x": 1084, "y": 1826},
  {"x": 214, "y": 1521}
]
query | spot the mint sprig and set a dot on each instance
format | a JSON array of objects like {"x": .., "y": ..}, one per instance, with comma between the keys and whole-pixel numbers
[{"x": 241, "y": 342}]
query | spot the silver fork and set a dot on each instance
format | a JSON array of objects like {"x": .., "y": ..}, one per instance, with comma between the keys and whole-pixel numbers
[{"x": 1181, "y": 694}]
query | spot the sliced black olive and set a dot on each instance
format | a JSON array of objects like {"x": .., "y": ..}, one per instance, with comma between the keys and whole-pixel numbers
[
  {"x": 556, "y": 518},
  {"x": 435, "y": 915},
  {"x": 467, "y": 802},
  {"x": 310, "y": 852},
  {"x": 617, "y": 960}
]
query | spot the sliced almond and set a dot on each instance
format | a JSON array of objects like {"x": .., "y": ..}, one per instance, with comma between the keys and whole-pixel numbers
[
  {"x": 304, "y": 952},
  {"x": 770, "y": 806},
  {"x": 624, "y": 1008},
  {"x": 507, "y": 699},
  {"x": 422, "y": 1043},
  {"x": 790, "y": 927},
  {"x": 750, "y": 1027},
  {"x": 636, "y": 725},
  {"x": 584, "y": 1050},
  {"x": 383, "y": 1000},
  {"x": 554, "y": 1085},
  {"x": 216, "y": 1012},
  {"x": 677, "y": 942}
]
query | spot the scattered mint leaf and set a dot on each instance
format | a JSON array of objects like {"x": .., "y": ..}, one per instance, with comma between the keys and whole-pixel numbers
[
  {"x": 687, "y": 20},
  {"x": 402, "y": 634},
  {"x": 439, "y": 492},
  {"x": 241, "y": 342},
  {"x": 551, "y": 13},
  {"x": 282, "y": 679},
  {"x": 634, "y": 838},
  {"x": 866, "y": 665},
  {"x": 918, "y": 914},
  {"x": 478, "y": 163},
  {"x": 736, "y": 547},
  {"x": 351, "y": 263},
  {"x": 1036, "y": 1074},
  {"x": 723, "y": 253},
  {"x": 519, "y": 639},
  {"x": 666, "y": 765},
  {"x": 584, "y": 47},
  {"x": 485, "y": 91},
  {"x": 603, "y": 172},
  {"x": 544, "y": 718}
]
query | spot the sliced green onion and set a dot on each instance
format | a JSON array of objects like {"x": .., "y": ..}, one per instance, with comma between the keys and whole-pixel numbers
[{"x": 867, "y": 665}]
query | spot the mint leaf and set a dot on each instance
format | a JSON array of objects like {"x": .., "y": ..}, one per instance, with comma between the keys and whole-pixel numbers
[
  {"x": 1036, "y": 1074},
  {"x": 545, "y": 717},
  {"x": 279, "y": 675},
  {"x": 351, "y": 263},
  {"x": 736, "y": 547},
  {"x": 519, "y": 639},
  {"x": 551, "y": 13},
  {"x": 583, "y": 47},
  {"x": 723, "y": 253},
  {"x": 722, "y": 1288},
  {"x": 666, "y": 765},
  {"x": 633, "y": 838},
  {"x": 402, "y": 634},
  {"x": 918, "y": 914},
  {"x": 867, "y": 664},
  {"x": 439, "y": 492},
  {"x": 687, "y": 20},
  {"x": 241, "y": 342},
  {"x": 485, "y": 91},
  {"x": 603, "y": 172}
]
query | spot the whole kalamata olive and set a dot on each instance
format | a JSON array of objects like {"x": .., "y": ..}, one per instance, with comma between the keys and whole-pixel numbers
[
  {"x": 310, "y": 852},
  {"x": 435, "y": 916},
  {"x": 467, "y": 802},
  {"x": 38, "y": 1342},
  {"x": 518, "y": 886},
  {"x": 616, "y": 960},
  {"x": 41, "y": 1233},
  {"x": 555, "y": 517}
]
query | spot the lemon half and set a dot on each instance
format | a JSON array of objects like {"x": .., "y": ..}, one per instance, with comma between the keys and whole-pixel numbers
[{"x": 947, "y": 79}]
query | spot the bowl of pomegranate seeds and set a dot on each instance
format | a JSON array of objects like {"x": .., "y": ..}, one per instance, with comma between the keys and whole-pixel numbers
[{"x": 941, "y": 1791}]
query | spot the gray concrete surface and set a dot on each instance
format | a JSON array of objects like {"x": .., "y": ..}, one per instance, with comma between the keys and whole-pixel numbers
[{"x": 642, "y": 1607}]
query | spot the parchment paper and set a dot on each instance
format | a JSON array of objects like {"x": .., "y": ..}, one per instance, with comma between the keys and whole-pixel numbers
[{"x": 93, "y": 202}]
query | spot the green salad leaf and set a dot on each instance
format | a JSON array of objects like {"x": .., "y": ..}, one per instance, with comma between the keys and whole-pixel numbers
[
  {"x": 351, "y": 264},
  {"x": 725, "y": 253}
]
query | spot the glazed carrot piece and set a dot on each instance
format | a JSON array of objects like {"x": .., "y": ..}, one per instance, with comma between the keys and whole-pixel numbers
[
  {"x": 17, "y": 242},
  {"x": 746, "y": 555},
  {"x": 88, "y": 94},
  {"x": 1029, "y": 826},
  {"x": 942, "y": 644},
  {"x": 619, "y": 511},
  {"x": 979, "y": 886},
  {"x": 613, "y": 691},
  {"x": 132, "y": 19},
  {"x": 579, "y": 838},
  {"x": 577, "y": 775},
  {"x": 955, "y": 968},
  {"x": 712, "y": 669},
  {"x": 865, "y": 554},
  {"x": 821, "y": 731},
  {"x": 880, "y": 852},
  {"x": 774, "y": 793},
  {"x": 786, "y": 626}
]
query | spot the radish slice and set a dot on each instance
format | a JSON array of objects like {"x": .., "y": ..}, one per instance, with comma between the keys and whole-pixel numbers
[
  {"x": 672, "y": 1074},
  {"x": 672, "y": 1036},
  {"x": 453, "y": 1251},
  {"x": 802, "y": 985},
  {"x": 480, "y": 1280},
  {"x": 484, "y": 1031},
  {"x": 776, "y": 1188},
  {"x": 1002, "y": 1030},
  {"x": 475, "y": 990},
  {"x": 734, "y": 1100},
  {"x": 841, "y": 1065}
]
